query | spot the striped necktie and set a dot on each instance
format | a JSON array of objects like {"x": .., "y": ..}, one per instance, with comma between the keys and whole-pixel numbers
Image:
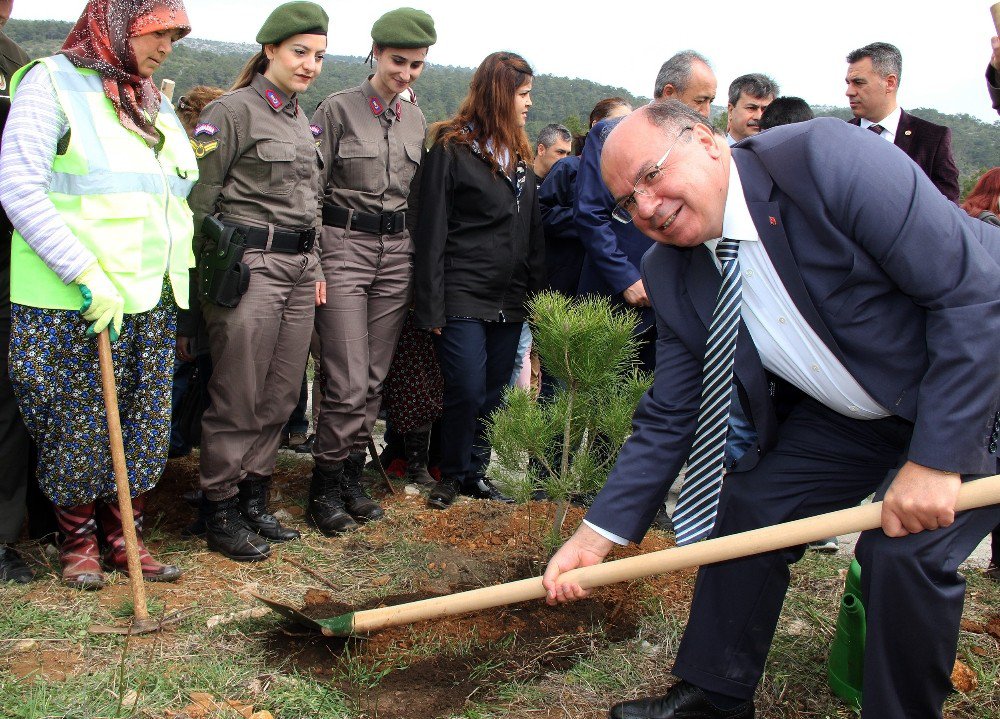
[
  {"x": 877, "y": 129},
  {"x": 694, "y": 516}
]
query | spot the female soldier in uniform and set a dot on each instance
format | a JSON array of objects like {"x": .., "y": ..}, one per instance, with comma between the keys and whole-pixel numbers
[
  {"x": 480, "y": 252},
  {"x": 95, "y": 173},
  {"x": 260, "y": 176},
  {"x": 371, "y": 138}
]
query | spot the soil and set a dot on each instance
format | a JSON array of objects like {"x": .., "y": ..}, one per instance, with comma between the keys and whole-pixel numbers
[
  {"x": 421, "y": 671},
  {"x": 476, "y": 652}
]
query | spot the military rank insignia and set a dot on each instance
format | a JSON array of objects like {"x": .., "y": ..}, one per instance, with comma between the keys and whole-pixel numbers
[
  {"x": 376, "y": 106},
  {"x": 316, "y": 130},
  {"x": 272, "y": 97},
  {"x": 204, "y": 147}
]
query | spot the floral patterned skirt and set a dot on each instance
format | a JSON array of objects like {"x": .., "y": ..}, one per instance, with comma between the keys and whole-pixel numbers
[{"x": 56, "y": 378}]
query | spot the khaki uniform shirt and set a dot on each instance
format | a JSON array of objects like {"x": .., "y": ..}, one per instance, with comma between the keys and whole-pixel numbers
[
  {"x": 371, "y": 148},
  {"x": 12, "y": 58},
  {"x": 258, "y": 161}
]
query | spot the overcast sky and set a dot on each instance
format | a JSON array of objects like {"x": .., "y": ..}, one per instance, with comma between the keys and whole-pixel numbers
[{"x": 945, "y": 45}]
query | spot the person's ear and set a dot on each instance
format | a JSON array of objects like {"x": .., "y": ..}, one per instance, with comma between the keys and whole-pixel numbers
[{"x": 891, "y": 82}]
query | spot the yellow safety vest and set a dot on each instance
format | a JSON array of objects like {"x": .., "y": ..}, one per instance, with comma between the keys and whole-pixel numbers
[{"x": 122, "y": 200}]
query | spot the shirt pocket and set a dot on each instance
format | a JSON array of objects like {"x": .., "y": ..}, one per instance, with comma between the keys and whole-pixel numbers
[
  {"x": 119, "y": 228},
  {"x": 410, "y": 165},
  {"x": 359, "y": 166},
  {"x": 275, "y": 175}
]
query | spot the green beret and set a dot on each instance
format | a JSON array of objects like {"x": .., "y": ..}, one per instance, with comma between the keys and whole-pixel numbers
[
  {"x": 404, "y": 27},
  {"x": 293, "y": 18}
]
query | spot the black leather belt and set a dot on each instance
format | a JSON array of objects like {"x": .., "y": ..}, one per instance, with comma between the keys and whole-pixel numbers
[
  {"x": 384, "y": 223},
  {"x": 289, "y": 242}
]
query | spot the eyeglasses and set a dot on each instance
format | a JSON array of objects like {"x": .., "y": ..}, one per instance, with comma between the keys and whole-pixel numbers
[{"x": 622, "y": 211}]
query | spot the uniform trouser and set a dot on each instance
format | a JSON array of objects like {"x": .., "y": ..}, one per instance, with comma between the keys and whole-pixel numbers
[
  {"x": 911, "y": 588},
  {"x": 476, "y": 360},
  {"x": 15, "y": 450},
  {"x": 369, "y": 282},
  {"x": 259, "y": 351}
]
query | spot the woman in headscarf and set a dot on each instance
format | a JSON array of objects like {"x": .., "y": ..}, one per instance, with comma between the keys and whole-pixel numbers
[{"x": 94, "y": 174}]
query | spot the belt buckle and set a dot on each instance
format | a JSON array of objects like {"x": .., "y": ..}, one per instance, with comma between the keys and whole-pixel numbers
[
  {"x": 307, "y": 238},
  {"x": 388, "y": 223}
]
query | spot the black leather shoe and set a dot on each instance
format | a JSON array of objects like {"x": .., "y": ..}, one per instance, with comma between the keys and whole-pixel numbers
[
  {"x": 683, "y": 701},
  {"x": 482, "y": 488},
  {"x": 993, "y": 572},
  {"x": 253, "y": 505},
  {"x": 326, "y": 509},
  {"x": 356, "y": 500},
  {"x": 444, "y": 493},
  {"x": 12, "y": 567},
  {"x": 227, "y": 532}
]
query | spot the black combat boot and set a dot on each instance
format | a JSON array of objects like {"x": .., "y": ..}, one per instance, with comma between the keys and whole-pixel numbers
[
  {"x": 444, "y": 493},
  {"x": 326, "y": 508},
  {"x": 227, "y": 532},
  {"x": 415, "y": 446},
  {"x": 362, "y": 507},
  {"x": 253, "y": 505}
]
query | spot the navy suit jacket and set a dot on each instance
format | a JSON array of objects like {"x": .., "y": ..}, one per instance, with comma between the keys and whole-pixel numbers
[
  {"x": 563, "y": 252},
  {"x": 614, "y": 250},
  {"x": 928, "y": 145},
  {"x": 893, "y": 278}
]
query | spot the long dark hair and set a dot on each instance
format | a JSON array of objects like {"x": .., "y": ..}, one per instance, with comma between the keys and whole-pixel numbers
[
  {"x": 984, "y": 195},
  {"x": 486, "y": 115}
]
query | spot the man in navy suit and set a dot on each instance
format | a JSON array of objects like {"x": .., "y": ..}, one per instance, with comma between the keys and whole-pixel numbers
[
  {"x": 873, "y": 75},
  {"x": 888, "y": 365},
  {"x": 613, "y": 251}
]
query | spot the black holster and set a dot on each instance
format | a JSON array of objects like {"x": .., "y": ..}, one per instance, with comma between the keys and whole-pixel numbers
[{"x": 223, "y": 277}]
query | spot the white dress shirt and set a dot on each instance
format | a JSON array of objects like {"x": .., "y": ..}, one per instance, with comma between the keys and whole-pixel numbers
[
  {"x": 787, "y": 344},
  {"x": 890, "y": 124}
]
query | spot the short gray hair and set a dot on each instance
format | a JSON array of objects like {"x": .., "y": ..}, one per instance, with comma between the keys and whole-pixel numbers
[
  {"x": 677, "y": 72},
  {"x": 672, "y": 116},
  {"x": 552, "y": 132},
  {"x": 886, "y": 59},
  {"x": 754, "y": 84}
]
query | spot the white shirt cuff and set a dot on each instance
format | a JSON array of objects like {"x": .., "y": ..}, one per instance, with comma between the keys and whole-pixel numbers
[{"x": 606, "y": 534}]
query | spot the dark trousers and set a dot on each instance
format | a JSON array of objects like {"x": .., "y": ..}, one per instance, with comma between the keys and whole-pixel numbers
[
  {"x": 996, "y": 545},
  {"x": 476, "y": 360},
  {"x": 912, "y": 590},
  {"x": 15, "y": 451}
]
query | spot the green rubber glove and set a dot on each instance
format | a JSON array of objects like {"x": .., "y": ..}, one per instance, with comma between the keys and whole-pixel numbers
[{"x": 103, "y": 306}]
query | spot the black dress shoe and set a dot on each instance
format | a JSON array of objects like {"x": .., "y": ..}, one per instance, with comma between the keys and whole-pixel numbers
[
  {"x": 12, "y": 567},
  {"x": 482, "y": 488},
  {"x": 683, "y": 701}
]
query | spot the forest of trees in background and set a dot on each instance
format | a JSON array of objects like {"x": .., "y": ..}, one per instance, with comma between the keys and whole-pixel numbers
[{"x": 195, "y": 61}]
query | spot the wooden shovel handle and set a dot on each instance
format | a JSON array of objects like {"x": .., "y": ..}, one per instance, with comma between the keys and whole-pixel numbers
[
  {"x": 139, "y": 607},
  {"x": 973, "y": 494}
]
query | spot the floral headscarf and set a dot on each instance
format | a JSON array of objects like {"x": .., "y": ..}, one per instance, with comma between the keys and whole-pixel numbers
[{"x": 100, "y": 41}]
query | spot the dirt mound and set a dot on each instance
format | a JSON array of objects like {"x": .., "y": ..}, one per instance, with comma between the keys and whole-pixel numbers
[{"x": 389, "y": 675}]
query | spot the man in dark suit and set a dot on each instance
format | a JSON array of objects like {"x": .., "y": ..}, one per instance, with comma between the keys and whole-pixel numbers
[
  {"x": 889, "y": 362},
  {"x": 873, "y": 75},
  {"x": 611, "y": 266}
]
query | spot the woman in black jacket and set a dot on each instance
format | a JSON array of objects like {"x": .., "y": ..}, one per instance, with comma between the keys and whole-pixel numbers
[{"x": 479, "y": 253}]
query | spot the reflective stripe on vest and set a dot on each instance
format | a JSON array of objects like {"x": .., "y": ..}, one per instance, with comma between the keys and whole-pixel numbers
[{"x": 123, "y": 201}]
